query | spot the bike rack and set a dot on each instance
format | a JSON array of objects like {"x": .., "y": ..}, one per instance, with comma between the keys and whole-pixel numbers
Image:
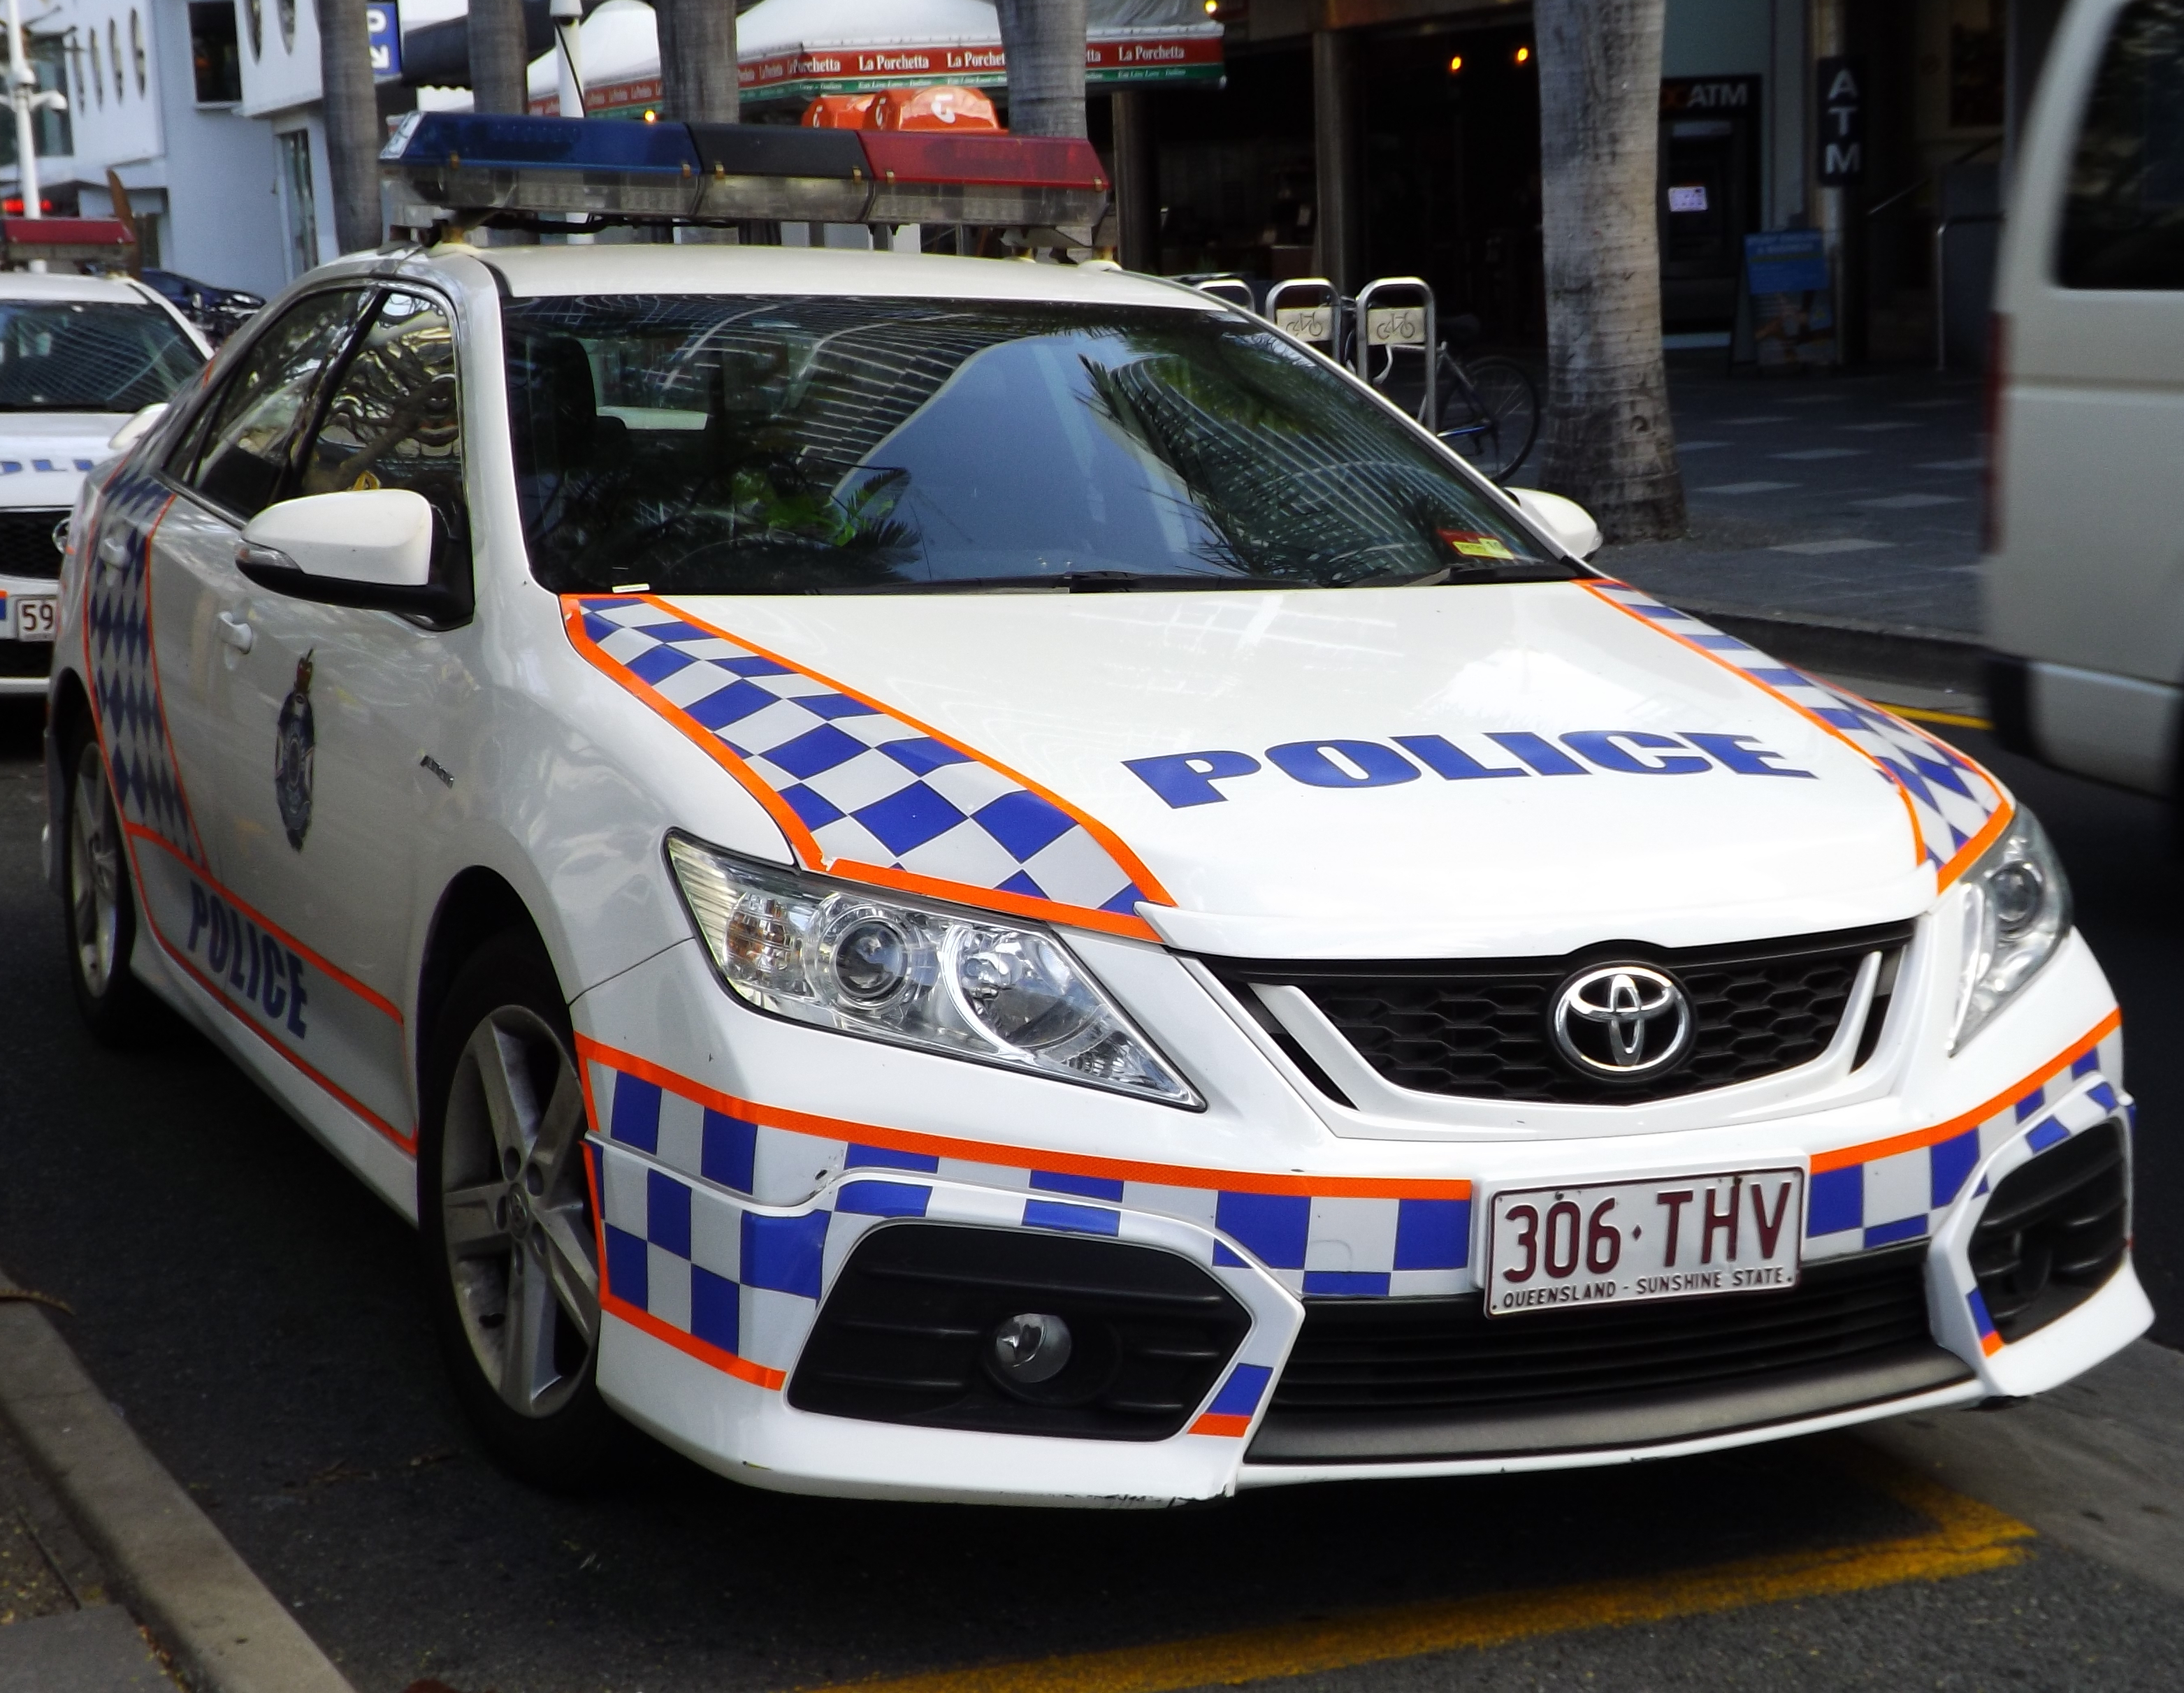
[
  {"x": 1394, "y": 327},
  {"x": 1318, "y": 325},
  {"x": 1232, "y": 290}
]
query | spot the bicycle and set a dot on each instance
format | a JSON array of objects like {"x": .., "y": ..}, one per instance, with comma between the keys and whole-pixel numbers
[{"x": 1489, "y": 408}]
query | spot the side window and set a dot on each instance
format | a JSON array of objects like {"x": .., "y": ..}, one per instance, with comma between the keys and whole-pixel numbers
[
  {"x": 395, "y": 421},
  {"x": 2123, "y": 223},
  {"x": 238, "y": 454}
]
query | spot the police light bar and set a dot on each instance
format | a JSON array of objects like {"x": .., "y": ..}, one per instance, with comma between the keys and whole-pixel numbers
[
  {"x": 64, "y": 240},
  {"x": 461, "y": 164}
]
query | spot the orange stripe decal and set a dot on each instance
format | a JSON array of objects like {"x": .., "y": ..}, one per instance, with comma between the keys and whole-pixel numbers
[
  {"x": 378, "y": 1002},
  {"x": 861, "y": 789},
  {"x": 1017, "y": 1157},
  {"x": 1871, "y": 1150},
  {"x": 1228, "y": 1427},
  {"x": 759, "y": 1375},
  {"x": 1951, "y": 858}
]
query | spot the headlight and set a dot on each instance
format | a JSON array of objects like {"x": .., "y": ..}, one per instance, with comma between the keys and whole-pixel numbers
[
  {"x": 2016, "y": 912},
  {"x": 840, "y": 957}
]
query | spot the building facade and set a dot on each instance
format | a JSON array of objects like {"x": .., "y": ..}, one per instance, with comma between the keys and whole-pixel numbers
[
  {"x": 155, "y": 95},
  {"x": 1359, "y": 138}
]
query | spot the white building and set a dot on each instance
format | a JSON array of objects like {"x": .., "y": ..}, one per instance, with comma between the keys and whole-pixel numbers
[{"x": 159, "y": 102}]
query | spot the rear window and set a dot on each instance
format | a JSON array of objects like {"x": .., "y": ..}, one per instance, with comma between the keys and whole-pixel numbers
[
  {"x": 823, "y": 445},
  {"x": 2123, "y": 224}
]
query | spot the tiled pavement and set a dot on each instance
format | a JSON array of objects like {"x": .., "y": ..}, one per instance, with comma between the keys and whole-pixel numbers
[{"x": 1853, "y": 496}]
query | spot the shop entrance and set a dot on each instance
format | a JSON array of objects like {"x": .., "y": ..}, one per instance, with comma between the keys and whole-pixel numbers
[{"x": 1452, "y": 171}]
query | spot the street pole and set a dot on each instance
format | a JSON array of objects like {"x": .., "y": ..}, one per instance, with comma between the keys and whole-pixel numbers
[
  {"x": 22, "y": 89},
  {"x": 568, "y": 56}
]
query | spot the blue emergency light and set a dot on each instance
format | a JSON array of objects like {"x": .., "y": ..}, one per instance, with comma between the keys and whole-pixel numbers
[{"x": 455, "y": 165}]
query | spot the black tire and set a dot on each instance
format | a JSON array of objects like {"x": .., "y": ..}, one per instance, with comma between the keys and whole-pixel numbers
[
  {"x": 523, "y": 1226},
  {"x": 98, "y": 903},
  {"x": 1501, "y": 426}
]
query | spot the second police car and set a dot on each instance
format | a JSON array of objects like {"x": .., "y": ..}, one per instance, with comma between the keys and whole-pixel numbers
[{"x": 987, "y": 881}]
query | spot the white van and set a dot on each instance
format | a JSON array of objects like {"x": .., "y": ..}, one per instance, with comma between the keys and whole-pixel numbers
[{"x": 2085, "y": 571}]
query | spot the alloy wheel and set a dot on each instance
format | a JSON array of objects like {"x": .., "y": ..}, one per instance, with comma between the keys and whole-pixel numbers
[
  {"x": 515, "y": 1212},
  {"x": 94, "y": 873}
]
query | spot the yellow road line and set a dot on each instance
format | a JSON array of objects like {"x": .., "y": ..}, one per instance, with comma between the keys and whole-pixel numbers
[
  {"x": 1919, "y": 714},
  {"x": 1967, "y": 1538}
]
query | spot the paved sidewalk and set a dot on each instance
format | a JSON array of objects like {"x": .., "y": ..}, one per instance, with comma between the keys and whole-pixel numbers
[{"x": 1851, "y": 497}]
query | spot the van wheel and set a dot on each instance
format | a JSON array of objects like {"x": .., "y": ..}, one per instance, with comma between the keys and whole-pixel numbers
[
  {"x": 505, "y": 1210},
  {"x": 99, "y": 907}
]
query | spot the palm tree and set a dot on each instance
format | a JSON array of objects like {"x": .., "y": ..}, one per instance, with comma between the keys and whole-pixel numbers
[
  {"x": 501, "y": 59},
  {"x": 1609, "y": 443},
  {"x": 697, "y": 60},
  {"x": 1043, "y": 41},
  {"x": 352, "y": 119}
]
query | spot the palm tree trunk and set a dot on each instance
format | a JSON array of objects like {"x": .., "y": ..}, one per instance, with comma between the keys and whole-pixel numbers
[
  {"x": 1044, "y": 42},
  {"x": 352, "y": 121},
  {"x": 697, "y": 60},
  {"x": 499, "y": 66},
  {"x": 1609, "y": 443}
]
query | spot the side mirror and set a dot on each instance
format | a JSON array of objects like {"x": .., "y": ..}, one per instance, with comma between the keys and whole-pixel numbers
[
  {"x": 137, "y": 428},
  {"x": 1568, "y": 522},
  {"x": 371, "y": 549}
]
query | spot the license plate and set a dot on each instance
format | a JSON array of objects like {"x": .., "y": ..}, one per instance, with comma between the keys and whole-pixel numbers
[
  {"x": 34, "y": 618},
  {"x": 1622, "y": 1243}
]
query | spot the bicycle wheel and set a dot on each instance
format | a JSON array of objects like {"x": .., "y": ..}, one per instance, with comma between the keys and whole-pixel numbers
[{"x": 1490, "y": 414}]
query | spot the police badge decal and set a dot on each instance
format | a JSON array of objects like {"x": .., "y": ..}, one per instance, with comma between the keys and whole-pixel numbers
[{"x": 294, "y": 741}]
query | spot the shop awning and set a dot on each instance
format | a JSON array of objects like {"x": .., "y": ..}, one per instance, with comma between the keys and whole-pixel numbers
[{"x": 791, "y": 50}]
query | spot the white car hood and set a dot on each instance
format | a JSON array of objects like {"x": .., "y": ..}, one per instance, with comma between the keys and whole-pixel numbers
[
  {"x": 44, "y": 454},
  {"x": 1070, "y": 689}
]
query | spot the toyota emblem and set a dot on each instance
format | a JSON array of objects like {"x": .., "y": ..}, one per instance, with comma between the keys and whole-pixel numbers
[{"x": 1622, "y": 1021}]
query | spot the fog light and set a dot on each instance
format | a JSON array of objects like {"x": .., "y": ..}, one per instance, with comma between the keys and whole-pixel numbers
[{"x": 1031, "y": 1346}]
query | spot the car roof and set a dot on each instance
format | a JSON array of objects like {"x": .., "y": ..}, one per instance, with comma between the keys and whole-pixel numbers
[
  {"x": 709, "y": 269},
  {"x": 29, "y": 285}
]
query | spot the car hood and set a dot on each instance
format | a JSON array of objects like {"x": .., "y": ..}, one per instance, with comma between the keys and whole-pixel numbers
[
  {"x": 44, "y": 454},
  {"x": 1303, "y": 772}
]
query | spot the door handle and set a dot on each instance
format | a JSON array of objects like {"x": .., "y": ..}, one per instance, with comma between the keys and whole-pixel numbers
[
  {"x": 237, "y": 631},
  {"x": 113, "y": 550}
]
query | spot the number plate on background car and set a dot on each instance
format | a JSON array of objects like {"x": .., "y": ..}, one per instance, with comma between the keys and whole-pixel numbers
[
  {"x": 34, "y": 618},
  {"x": 1623, "y": 1242}
]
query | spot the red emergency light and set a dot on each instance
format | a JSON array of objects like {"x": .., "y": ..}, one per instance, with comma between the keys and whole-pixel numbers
[{"x": 67, "y": 240}]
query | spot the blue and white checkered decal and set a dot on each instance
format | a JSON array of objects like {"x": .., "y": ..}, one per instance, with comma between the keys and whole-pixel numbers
[
  {"x": 1951, "y": 800},
  {"x": 856, "y": 788},
  {"x": 1855, "y": 1202},
  {"x": 725, "y": 1231},
  {"x": 710, "y": 1212},
  {"x": 147, "y": 784}
]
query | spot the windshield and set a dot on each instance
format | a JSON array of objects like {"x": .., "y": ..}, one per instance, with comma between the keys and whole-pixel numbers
[
  {"x": 710, "y": 445},
  {"x": 84, "y": 356}
]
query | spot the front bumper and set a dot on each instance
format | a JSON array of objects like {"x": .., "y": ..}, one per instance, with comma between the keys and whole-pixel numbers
[{"x": 728, "y": 1216}]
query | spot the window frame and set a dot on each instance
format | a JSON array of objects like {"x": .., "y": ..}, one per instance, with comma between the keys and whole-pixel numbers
[
  {"x": 189, "y": 432},
  {"x": 454, "y": 566},
  {"x": 455, "y": 561}
]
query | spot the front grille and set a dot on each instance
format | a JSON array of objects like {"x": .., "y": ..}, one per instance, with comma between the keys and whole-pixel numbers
[
  {"x": 26, "y": 542},
  {"x": 905, "y": 1335},
  {"x": 1391, "y": 1380},
  {"x": 1478, "y": 1030},
  {"x": 2053, "y": 1232},
  {"x": 26, "y": 657}
]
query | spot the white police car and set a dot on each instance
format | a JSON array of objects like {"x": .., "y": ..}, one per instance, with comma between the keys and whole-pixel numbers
[
  {"x": 79, "y": 355},
  {"x": 987, "y": 880}
]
